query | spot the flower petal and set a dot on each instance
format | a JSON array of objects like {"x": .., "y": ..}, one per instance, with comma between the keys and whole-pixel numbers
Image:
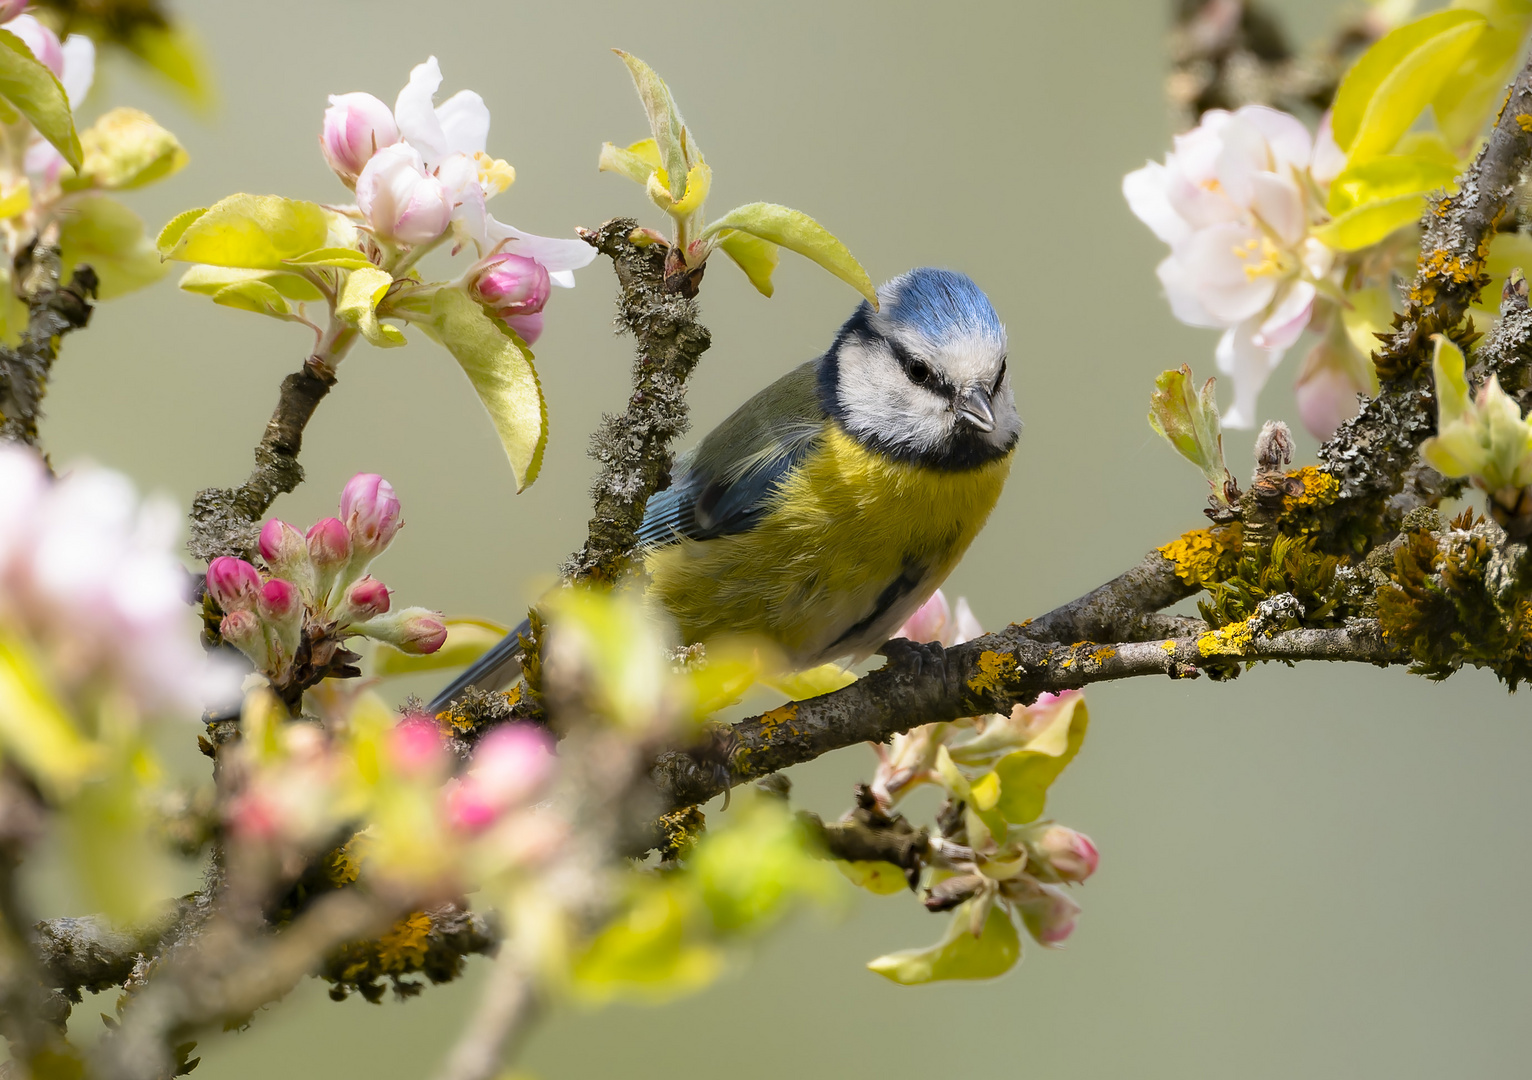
[
  {"x": 1249, "y": 366},
  {"x": 79, "y": 68},
  {"x": 416, "y": 115},
  {"x": 464, "y": 120},
  {"x": 1288, "y": 320},
  {"x": 1148, "y": 198},
  {"x": 1222, "y": 264},
  {"x": 555, "y": 254},
  {"x": 1286, "y": 137},
  {"x": 1277, "y": 201},
  {"x": 1180, "y": 291}
]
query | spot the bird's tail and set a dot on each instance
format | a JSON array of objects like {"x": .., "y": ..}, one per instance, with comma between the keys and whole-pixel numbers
[{"x": 494, "y": 670}]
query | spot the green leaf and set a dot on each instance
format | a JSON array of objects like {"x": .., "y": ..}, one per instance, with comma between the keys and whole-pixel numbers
[
  {"x": 798, "y": 232},
  {"x": 757, "y": 867},
  {"x": 178, "y": 57},
  {"x": 258, "y": 232},
  {"x": 112, "y": 845},
  {"x": 638, "y": 162},
  {"x": 1388, "y": 177},
  {"x": 345, "y": 258},
  {"x": 1366, "y": 225},
  {"x": 209, "y": 280},
  {"x": 126, "y": 149},
  {"x": 698, "y": 180},
  {"x": 500, "y": 369},
  {"x": 253, "y": 295},
  {"x": 1026, "y": 775},
  {"x": 646, "y": 951},
  {"x": 358, "y": 301},
  {"x": 880, "y": 878},
  {"x": 39, "y": 96},
  {"x": 756, "y": 257},
  {"x": 1391, "y": 84},
  {"x": 35, "y": 729},
  {"x": 958, "y": 955},
  {"x": 101, "y": 232},
  {"x": 176, "y": 227},
  {"x": 467, "y": 640},
  {"x": 671, "y": 139},
  {"x": 1188, "y": 420},
  {"x": 1468, "y": 99}
]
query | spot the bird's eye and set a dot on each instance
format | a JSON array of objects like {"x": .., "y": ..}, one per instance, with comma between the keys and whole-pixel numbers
[
  {"x": 919, "y": 371},
  {"x": 998, "y": 379}
]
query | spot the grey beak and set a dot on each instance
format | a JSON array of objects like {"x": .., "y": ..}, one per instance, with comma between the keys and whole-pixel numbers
[{"x": 973, "y": 405}]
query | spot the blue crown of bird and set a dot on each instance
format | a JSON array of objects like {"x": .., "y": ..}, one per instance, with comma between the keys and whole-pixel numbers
[{"x": 833, "y": 503}]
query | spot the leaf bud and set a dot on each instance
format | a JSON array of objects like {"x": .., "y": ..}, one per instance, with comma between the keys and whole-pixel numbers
[
  {"x": 1048, "y": 912},
  {"x": 278, "y": 601},
  {"x": 367, "y": 599},
  {"x": 356, "y": 126},
  {"x": 233, "y": 583}
]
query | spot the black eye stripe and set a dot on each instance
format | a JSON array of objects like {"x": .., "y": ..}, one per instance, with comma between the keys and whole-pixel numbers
[
  {"x": 917, "y": 370},
  {"x": 999, "y": 378}
]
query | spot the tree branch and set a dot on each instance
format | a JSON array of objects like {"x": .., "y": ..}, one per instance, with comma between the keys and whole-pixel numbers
[
  {"x": 54, "y": 310},
  {"x": 1373, "y": 455},
  {"x": 1122, "y": 609},
  {"x": 992, "y": 674},
  {"x": 634, "y": 448}
]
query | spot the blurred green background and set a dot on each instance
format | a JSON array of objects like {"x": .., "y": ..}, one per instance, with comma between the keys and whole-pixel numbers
[{"x": 1316, "y": 872}]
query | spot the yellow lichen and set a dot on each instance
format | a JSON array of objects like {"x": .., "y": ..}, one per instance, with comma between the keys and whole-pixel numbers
[
  {"x": 1319, "y": 489},
  {"x": 779, "y": 716},
  {"x": 1203, "y": 556},
  {"x": 344, "y": 864},
  {"x": 1232, "y": 640},
  {"x": 1443, "y": 265},
  {"x": 1103, "y": 654},
  {"x": 1168, "y": 646},
  {"x": 994, "y": 669},
  {"x": 403, "y": 948},
  {"x": 1524, "y": 121}
]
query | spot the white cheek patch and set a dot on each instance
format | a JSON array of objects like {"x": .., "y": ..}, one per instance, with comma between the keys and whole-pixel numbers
[{"x": 880, "y": 402}]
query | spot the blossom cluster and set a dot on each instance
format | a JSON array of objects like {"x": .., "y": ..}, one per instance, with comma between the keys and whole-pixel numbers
[
  {"x": 291, "y": 622},
  {"x": 1236, "y": 200},
  {"x": 420, "y": 169},
  {"x": 992, "y": 852}
]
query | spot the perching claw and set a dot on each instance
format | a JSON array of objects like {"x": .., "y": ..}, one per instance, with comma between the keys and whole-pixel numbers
[{"x": 915, "y": 657}]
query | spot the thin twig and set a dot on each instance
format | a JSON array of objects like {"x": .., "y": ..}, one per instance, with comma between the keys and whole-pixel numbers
[{"x": 54, "y": 310}]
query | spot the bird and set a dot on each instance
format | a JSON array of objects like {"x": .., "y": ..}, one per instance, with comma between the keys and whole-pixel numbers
[{"x": 833, "y": 503}]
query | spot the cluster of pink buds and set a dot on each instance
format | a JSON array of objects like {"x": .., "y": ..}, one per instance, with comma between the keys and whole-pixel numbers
[
  {"x": 516, "y": 288},
  {"x": 317, "y": 592}
]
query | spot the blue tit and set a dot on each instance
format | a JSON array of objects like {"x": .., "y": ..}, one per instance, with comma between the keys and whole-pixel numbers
[{"x": 833, "y": 503}]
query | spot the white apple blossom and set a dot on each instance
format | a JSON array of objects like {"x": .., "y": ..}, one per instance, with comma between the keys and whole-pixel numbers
[
  {"x": 1235, "y": 201},
  {"x": 89, "y": 578},
  {"x": 449, "y": 141}
]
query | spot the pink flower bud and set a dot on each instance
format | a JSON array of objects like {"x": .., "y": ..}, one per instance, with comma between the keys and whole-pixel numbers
[
  {"x": 43, "y": 42},
  {"x": 367, "y": 599},
  {"x": 510, "y": 766},
  {"x": 1048, "y": 912},
  {"x": 929, "y": 622},
  {"x": 528, "y": 327},
  {"x": 278, "y": 601},
  {"x": 370, "y": 511},
  {"x": 1071, "y": 854},
  {"x": 512, "y": 285},
  {"x": 283, "y": 547},
  {"x": 233, "y": 583},
  {"x": 400, "y": 200},
  {"x": 415, "y": 747},
  {"x": 242, "y": 629},
  {"x": 329, "y": 545},
  {"x": 356, "y": 126},
  {"x": 1327, "y": 388},
  {"x": 416, "y": 631},
  {"x": 9, "y": 9}
]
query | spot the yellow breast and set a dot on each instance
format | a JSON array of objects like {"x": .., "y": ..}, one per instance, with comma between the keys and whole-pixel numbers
[{"x": 851, "y": 543}]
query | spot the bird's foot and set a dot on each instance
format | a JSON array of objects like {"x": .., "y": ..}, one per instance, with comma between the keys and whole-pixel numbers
[{"x": 915, "y": 657}]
